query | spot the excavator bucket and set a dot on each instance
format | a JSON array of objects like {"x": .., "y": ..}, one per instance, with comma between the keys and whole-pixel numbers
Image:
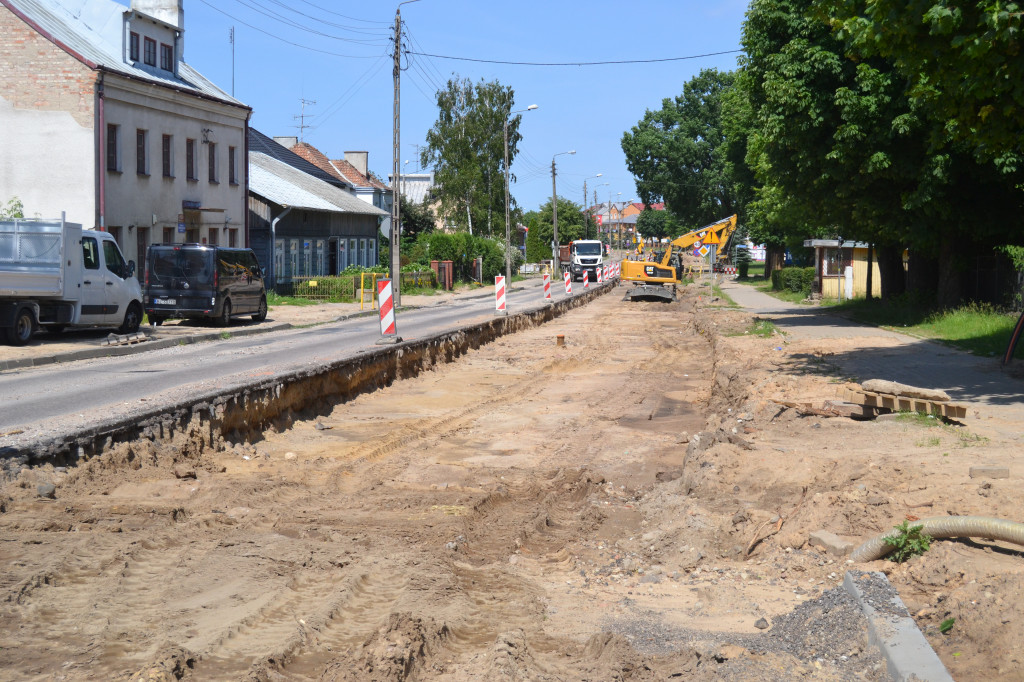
[{"x": 650, "y": 292}]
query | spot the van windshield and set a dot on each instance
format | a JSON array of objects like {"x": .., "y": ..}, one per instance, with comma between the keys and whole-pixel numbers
[{"x": 169, "y": 265}]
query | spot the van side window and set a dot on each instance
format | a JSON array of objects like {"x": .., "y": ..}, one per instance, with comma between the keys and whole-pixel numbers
[
  {"x": 254, "y": 266},
  {"x": 90, "y": 254},
  {"x": 115, "y": 261}
]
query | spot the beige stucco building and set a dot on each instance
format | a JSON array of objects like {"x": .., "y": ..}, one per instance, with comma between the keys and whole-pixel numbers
[{"x": 105, "y": 121}]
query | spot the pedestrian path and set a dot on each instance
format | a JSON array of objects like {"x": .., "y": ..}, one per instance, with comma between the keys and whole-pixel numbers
[{"x": 882, "y": 354}]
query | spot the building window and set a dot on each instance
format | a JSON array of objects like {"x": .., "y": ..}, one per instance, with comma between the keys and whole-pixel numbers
[
  {"x": 141, "y": 162},
  {"x": 213, "y": 236},
  {"x": 213, "y": 163},
  {"x": 232, "y": 238},
  {"x": 190, "y": 159},
  {"x": 113, "y": 147},
  {"x": 232, "y": 166},
  {"x": 166, "y": 57},
  {"x": 167, "y": 156},
  {"x": 133, "y": 46},
  {"x": 150, "y": 51},
  {"x": 168, "y": 235}
]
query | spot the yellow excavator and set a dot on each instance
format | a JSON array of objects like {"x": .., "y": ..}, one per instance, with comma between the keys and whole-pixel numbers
[{"x": 658, "y": 272}]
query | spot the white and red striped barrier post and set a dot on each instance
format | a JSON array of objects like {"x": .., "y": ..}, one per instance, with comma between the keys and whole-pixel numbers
[
  {"x": 547, "y": 287},
  {"x": 386, "y": 307},
  {"x": 568, "y": 284},
  {"x": 586, "y": 276},
  {"x": 600, "y": 274},
  {"x": 499, "y": 294},
  {"x": 618, "y": 269}
]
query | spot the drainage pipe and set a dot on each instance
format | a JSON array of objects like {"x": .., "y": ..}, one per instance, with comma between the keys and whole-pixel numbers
[
  {"x": 947, "y": 527},
  {"x": 273, "y": 245}
]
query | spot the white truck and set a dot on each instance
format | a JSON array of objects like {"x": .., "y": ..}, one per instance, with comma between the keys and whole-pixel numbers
[
  {"x": 54, "y": 274},
  {"x": 580, "y": 255}
]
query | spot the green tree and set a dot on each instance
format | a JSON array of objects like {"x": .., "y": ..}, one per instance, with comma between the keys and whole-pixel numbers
[
  {"x": 466, "y": 149},
  {"x": 962, "y": 61},
  {"x": 678, "y": 153},
  {"x": 13, "y": 209},
  {"x": 536, "y": 249},
  {"x": 417, "y": 219},
  {"x": 570, "y": 223},
  {"x": 658, "y": 224}
]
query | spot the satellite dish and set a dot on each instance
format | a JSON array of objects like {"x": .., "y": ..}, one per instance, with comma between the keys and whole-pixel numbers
[{"x": 385, "y": 227}]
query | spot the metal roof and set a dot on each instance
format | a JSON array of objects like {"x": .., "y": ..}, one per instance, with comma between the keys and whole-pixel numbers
[
  {"x": 286, "y": 185},
  {"x": 93, "y": 30}
]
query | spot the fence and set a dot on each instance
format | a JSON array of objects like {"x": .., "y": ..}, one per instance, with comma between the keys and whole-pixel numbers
[{"x": 344, "y": 287}]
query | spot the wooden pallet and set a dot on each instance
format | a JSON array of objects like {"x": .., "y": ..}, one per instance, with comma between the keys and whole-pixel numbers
[{"x": 899, "y": 403}]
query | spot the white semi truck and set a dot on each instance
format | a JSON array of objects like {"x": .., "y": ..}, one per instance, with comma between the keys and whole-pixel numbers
[
  {"x": 582, "y": 255},
  {"x": 54, "y": 274}
]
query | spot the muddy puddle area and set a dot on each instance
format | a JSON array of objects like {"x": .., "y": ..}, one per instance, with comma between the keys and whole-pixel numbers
[{"x": 634, "y": 505}]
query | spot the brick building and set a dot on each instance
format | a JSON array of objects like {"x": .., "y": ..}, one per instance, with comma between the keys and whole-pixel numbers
[{"x": 102, "y": 119}]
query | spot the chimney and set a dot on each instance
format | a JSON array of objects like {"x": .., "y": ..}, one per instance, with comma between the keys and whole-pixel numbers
[
  {"x": 286, "y": 141},
  {"x": 168, "y": 11},
  {"x": 358, "y": 160}
]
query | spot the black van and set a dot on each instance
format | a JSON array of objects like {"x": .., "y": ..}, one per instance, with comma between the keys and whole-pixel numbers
[{"x": 199, "y": 281}]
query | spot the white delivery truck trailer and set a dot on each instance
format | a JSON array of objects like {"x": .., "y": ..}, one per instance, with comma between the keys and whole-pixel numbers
[{"x": 54, "y": 275}]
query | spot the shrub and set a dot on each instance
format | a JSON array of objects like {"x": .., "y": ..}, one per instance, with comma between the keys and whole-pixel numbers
[{"x": 798, "y": 280}]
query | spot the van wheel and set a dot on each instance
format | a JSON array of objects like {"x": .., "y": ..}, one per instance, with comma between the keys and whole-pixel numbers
[
  {"x": 261, "y": 313},
  {"x": 225, "y": 314},
  {"x": 132, "y": 319},
  {"x": 24, "y": 325}
]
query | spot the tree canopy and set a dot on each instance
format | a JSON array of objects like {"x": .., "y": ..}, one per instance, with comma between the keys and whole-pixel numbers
[
  {"x": 678, "y": 153},
  {"x": 465, "y": 147},
  {"x": 570, "y": 223}
]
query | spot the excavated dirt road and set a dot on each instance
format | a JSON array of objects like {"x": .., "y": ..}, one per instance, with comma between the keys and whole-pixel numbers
[{"x": 631, "y": 506}]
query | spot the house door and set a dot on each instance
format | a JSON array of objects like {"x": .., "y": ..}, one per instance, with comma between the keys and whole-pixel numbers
[{"x": 332, "y": 256}]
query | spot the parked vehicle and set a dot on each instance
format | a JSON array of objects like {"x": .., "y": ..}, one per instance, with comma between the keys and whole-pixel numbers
[
  {"x": 54, "y": 274},
  {"x": 200, "y": 281},
  {"x": 580, "y": 255}
]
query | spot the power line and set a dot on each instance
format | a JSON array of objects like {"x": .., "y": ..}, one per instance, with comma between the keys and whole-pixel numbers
[
  {"x": 294, "y": 24},
  {"x": 364, "y": 30},
  {"x": 354, "y": 88},
  {"x": 601, "y": 63},
  {"x": 287, "y": 42},
  {"x": 343, "y": 16}
]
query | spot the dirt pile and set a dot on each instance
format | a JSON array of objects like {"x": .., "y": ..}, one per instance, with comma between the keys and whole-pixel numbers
[{"x": 633, "y": 505}]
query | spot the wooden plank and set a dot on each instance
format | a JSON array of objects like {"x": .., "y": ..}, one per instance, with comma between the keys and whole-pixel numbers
[{"x": 902, "y": 403}]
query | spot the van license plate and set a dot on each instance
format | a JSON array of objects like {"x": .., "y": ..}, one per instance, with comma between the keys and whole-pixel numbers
[{"x": 165, "y": 301}]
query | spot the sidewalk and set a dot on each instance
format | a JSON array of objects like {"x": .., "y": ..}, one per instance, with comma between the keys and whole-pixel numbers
[
  {"x": 867, "y": 352},
  {"x": 83, "y": 344}
]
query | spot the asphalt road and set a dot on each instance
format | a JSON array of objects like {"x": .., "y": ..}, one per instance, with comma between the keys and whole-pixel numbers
[{"x": 69, "y": 392}]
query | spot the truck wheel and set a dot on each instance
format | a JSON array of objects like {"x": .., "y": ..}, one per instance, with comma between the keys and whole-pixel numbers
[
  {"x": 24, "y": 325},
  {"x": 225, "y": 314},
  {"x": 261, "y": 313},
  {"x": 132, "y": 319}
]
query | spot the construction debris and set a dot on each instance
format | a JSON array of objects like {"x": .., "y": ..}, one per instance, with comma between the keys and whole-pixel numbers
[
  {"x": 124, "y": 339},
  {"x": 902, "y": 403},
  {"x": 897, "y": 389}
]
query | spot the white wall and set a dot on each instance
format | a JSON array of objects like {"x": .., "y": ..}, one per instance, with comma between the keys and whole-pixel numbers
[{"x": 51, "y": 145}]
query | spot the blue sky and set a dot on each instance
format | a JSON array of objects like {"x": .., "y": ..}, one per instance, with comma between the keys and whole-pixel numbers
[{"x": 586, "y": 108}]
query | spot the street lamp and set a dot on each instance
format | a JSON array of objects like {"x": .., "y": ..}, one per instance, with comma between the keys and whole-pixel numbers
[
  {"x": 508, "y": 228},
  {"x": 603, "y": 184},
  {"x": 586, "y": 213},
  {"x": 555, "y": 266}
]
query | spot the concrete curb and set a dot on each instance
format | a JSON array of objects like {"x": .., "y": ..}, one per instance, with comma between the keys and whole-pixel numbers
[
  {"x": 907, "y": 654},
  {"x": 187, "y": 339}
]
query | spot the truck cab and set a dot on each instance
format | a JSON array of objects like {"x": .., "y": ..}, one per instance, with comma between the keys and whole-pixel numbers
[
  {"x": 54, "y": 275},
  {"x": 585, "y": 255}
]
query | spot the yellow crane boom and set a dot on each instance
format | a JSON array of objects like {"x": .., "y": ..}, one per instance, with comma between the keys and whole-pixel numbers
[{"x": 664, "y": 266}]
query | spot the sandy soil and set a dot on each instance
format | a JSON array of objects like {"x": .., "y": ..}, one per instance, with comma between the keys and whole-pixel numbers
[{"x": 634, "y": 505}]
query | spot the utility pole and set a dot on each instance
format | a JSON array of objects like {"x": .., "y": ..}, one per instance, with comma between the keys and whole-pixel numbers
[
  {"x": 396, "y": 148},
  {"x": 231, "y": 37},
  {"x": 555, "y": 266}
]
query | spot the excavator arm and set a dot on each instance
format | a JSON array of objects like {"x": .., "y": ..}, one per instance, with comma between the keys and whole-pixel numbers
[{"x": 664, "y": 267}]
